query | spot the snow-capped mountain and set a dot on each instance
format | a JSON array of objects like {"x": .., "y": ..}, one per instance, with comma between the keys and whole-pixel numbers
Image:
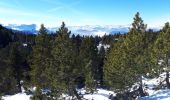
[
  {"x": 23, "y": 27},
  {"x": 82, "y": 30}
]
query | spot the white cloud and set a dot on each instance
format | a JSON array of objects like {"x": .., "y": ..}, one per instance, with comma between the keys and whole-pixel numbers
[{"x": 100, "y": 33}]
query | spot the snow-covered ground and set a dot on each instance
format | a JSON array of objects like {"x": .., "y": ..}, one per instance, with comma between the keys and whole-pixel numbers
[
  {"x": 158, "y": 95},
  {"x": 19, "y": 96},
  {"x": 100, "y": 94},
  {"x": 150, "y": 86}
]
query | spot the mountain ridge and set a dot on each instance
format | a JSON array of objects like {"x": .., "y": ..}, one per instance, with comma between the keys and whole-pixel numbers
[{"x": 99, "y": 30}]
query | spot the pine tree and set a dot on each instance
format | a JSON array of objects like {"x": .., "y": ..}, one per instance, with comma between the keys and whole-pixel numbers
[
  {"x": 88, "y": 56},
  {"x": 39, "y": 59},
  {"x": 101, "y": 57},
  {"x": 77, "y": 40},
  {"x": 117, "y": 75},
  {"x": 5, "y": 36},
  {"x": 137, "y": 50},
  {"x": 132, "y": 65},
  {"x": 8, "y": 81},
  {"x": 162, "y": 52},
  {"x": 16, "y": 62},
  {"x": 89, "y": 78},
  {"x": 64, "y": 72}
]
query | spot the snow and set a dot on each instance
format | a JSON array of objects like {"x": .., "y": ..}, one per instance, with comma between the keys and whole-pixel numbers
[
  {"x": 19, "y": 96},
  {"x": 100, "y": 95},
  {"x": 106, "y": 46},
  {"x": 151, "y": 84},
  {"x": 23, "y": 27},
  {"x": 96, "y": 97},
  {"x": 24, "y": 44},
  {"x": 158, "y": 95}
]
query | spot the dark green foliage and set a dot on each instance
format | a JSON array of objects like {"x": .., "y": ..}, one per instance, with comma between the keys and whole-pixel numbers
[
  {"x": 5, "y": 36},
  {"x": 8, "y": 82},
  {"x": 90, "y": 83},
  {"x": 88, "y": 56},
  {"x": 127, "y": 61},
  {"x": 116, "y": 72},
  {"x": 161, "y": 52},
  {"x": 64, "y": 70},
  {"x": 107, "y": 39},
  {"x": 97, "y": 40},
  {"x": 17, "y": 62},
  {"x": 14, "y": 67},
  {"x": 77, "y": 40},
  {"x": 40, "y": 58},
  {"x": 111, "y": 39},
  {"x": 101, "y": 57},
  {"x": 38, "y": 95},
  {"x": 24, "y": 38},
  {"x": 40, "y": 63},
  {"x": 138, "y": 24}
]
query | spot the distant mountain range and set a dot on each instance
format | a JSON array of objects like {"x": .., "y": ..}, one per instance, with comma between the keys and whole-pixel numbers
[
  {"x": 23, "y": 27},
  {"x": 82, "y": 30},
  {"x": 96, "y": 29}
]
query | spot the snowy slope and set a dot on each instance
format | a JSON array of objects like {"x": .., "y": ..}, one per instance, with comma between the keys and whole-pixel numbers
[
  {"x": 101, "y": 94},
  {"x": 158, "y": 95},
  {"x": 19, "y": 96},
  {"x": 155, "y": 94}
]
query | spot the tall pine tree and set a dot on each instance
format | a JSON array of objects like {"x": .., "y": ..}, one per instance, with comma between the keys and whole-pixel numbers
[
  {"x": 39, "y": 60},
  {"x": 88, "y": 56},
  {"x": 162, "y": 52},
  {"x": 64, "y": 71},
  {"x": 128, "y": 61}
]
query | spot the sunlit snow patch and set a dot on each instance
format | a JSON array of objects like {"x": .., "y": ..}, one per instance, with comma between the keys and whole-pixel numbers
[{"x": 19, "y": 96}]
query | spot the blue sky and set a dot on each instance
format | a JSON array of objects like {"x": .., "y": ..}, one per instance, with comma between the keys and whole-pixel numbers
[{"x": 83, "y": 12}]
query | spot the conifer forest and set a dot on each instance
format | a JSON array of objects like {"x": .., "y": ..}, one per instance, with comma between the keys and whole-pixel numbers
[{"x": 48, "y": 65}]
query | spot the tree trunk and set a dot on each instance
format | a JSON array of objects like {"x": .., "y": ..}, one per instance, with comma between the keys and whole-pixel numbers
[
  {"x": 19, "y": 86},
  {"x": 167, "y": 80},
  {"x": 76, "y": 94},
  {"x": 141, "y": 92},
  {"x": 18, "y": 83}
]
